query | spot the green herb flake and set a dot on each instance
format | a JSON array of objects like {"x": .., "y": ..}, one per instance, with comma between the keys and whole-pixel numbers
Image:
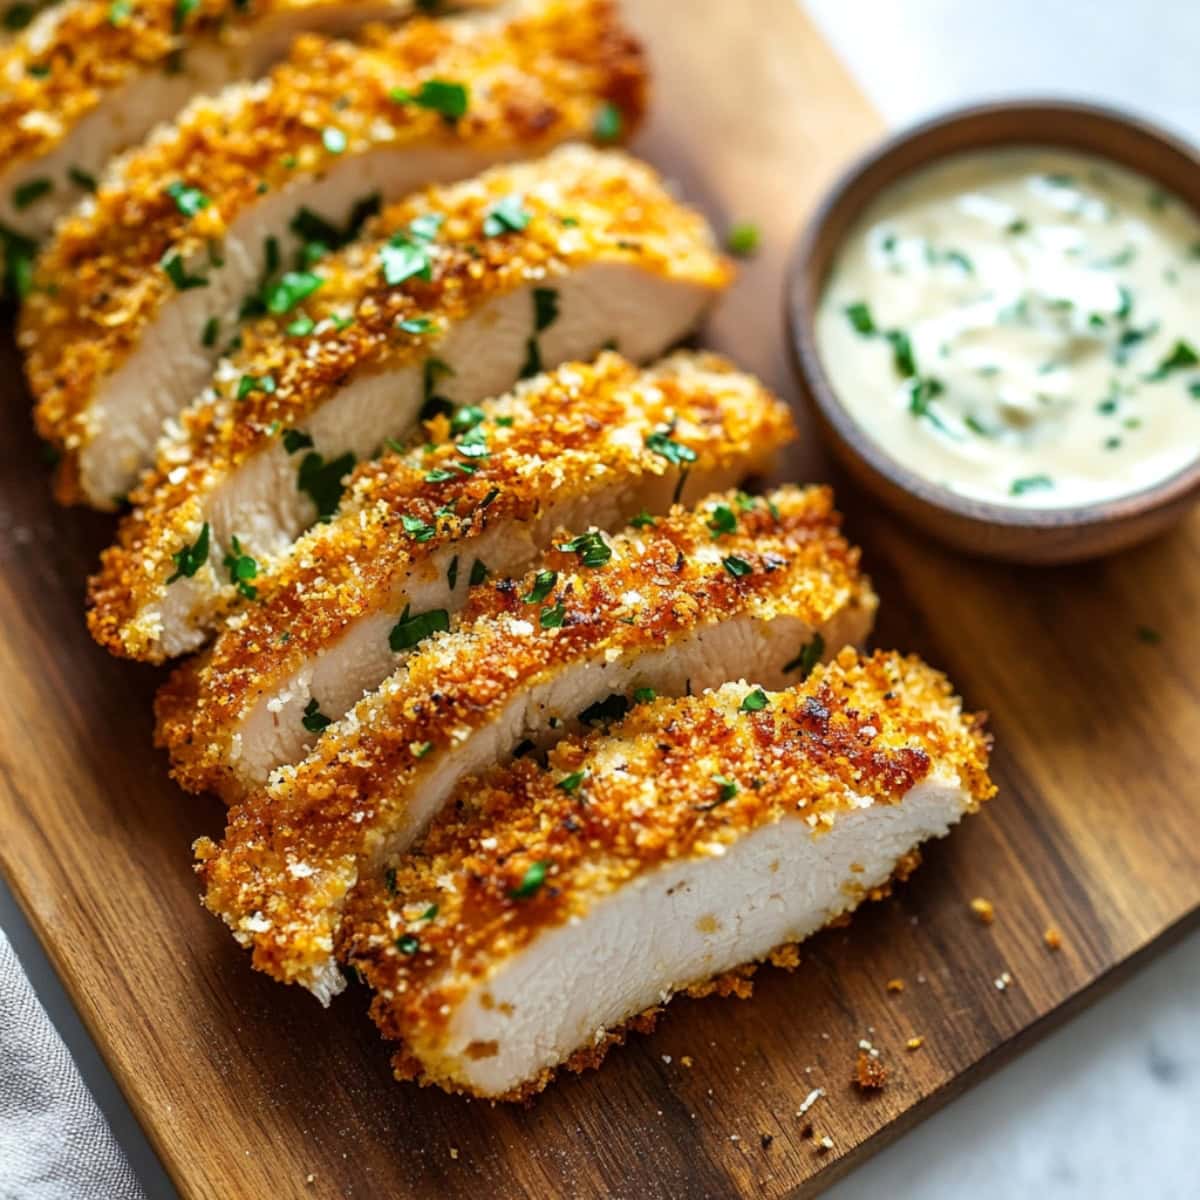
[
  {"x": 452, "y": 573},
  {"x": 389, "y": 879},
  {"x": 119, "y": 12},
  {"x": 322, "y": 480},
  {"x": 545, "y": 308},
  {"x": 479, "y": 573},
  {"x": 642, "y": 521},
  {"x": 743, "y": 239},
  {"x": 591, "y": 547},
  {"x": 314, "y": 720},
  {"x": 191, "y": 558},
  {"x": 188, "y": 200},
  {"x": 1029, "y": 483},
  {"x": 409, "y": 631},
  {"x": 407, "y": 943},
  {"x": 570, "y": 783},
  {"x": 333, "y": 139},
  {"x": 666, "y": 447},
  {"x": 644, "y": 695},
  {"x": 301, "y": 327},
  {"x": 255, "y": 383},
  {"x": 296, "y": 439},
  {"x": 84, "y": 180},
  {"x": 447, "y": 99},
  {"x": 737, "y": 567},
  {"x": 859, "y": 316},
  {"x": 506, "y": 216},
  {"x": 210, "y": 333},
  {"x": 418, "y": 530},
  {"x": 609, "y": 124},
  {"x": 292, "y": 288},
  {"x": 466, "y": 418},
  {"x": 1182, "y": 356},
  {"x": 543, "y": 585},
  {"x": 808, "y": 657},
  {"x": 552, "y": 618},
  {"x": 183, "y": 10},
  {"x": 531, "y": 881},
  {"x": 721, "y": 521},
  {"x": 755, "y": 701},
  {"x": 533, "y": 360},
  {"x": 176, "y": 272},
  {"x": 242, "y": 569},
  {"x": 902, "y": 352},
  {"x": 415, "y": 325},
  {"x": 31, "y": 191}
]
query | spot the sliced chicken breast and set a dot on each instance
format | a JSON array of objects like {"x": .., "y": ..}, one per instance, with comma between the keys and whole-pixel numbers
[
  {"x": 584, "y": 446},
  {"x": 226, "y": 213},
  {"x": 265, "y": 466},
  {"x": 551, "y": 907},
  {"x": 734, "y": 587},
  {"x": 87, "y": 78}
]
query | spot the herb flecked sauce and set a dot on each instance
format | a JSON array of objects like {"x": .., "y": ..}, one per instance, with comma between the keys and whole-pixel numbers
[{"x": 1022, "y": 326}]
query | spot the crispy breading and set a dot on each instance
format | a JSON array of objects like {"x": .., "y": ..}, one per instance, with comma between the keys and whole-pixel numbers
[
  {"x": 101, "y": 281},
  {"x": 442, "y": 917},
  {"x": 582, "y": 431},
  {"x": 293, "y": 851}
]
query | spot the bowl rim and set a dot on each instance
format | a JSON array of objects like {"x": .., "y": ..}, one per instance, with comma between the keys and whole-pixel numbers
[{"x": 801, "y": 315}]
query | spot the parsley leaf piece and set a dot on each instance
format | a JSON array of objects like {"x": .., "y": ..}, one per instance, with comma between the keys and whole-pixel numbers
[
  {"x": 1182, "y": 355},
  {"x": 405, "y": 258},
  {"x": 191, "y": 558},
  {"x": 255, "y": 383},
  {"x": 172, "y": 264},
  {"x": 755, "y": 701},
  {"x": 859, "y": 316},
  {"x": 722, "y": 520},
  {"x": 410, "y": 630},
  {"x": 188, "y": 200},
  {"x": 737, "y": 567},
  {"x": 808, "y": 657},
  {"x": 609, "y": 124},
  {"x": 531, "y": 881},
  {"x": 479, "y": 572},
  {"x": 506, "y": 216},
  {"x": 674, "y": 452},
  {"x": 552, "y": 618},
  {"x": 743, "y": 239},
  {"x": 447, "y": 99},
  {"x": 545, "y": 308},
  {"x": 611, "y": 708},
  {"x": 642, "y": 521},
  {"x": 902, "y": 352},
  {"x": 210, "y": 332},
  {"x": 301, "y": 327},
  {"x": 407, "y": 943},
  {"x": 591, "y": 547},
  {"x": 466, "y": 418},
  {"x": 296, "y": 439},
  {"x": 533, "y": 360},
  {"x": 242, "y": 568},
  {"x": 543, "y": 585},
  {"x": 418, "y": 530},
  {"x": 333, "y": 139},
  {"x": 294, "y": 287},
  {"x": 314, "y": 720},
  {"x": 82, "y": 179},
  {"x": 570, "y": 783},
  {"x": 323, "y": 480},
  {"x": 1029, "y": 483},
  {"x": 644, "y": 695},
  {"x": 415, "y": 325}
]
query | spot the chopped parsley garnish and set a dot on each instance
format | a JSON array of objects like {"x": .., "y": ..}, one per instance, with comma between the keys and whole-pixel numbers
[
  {"x": 18, "y": 16},
  {"x": 859, "y": 316},
  {"x": 570, "y": 783},
  {"x": 1182, "y": 355},
  {"x": 296, "y": 439},
  {"x": 314, "y": 720},
  {"x": 531, "y": 881},
  {"x": 294, "y": 287},
  {"x": 743, "y": 239},
  {"x": 323, "y": 480},
  {"x": 211, "y": 331},
  {"x": 479, "y": 572},
  {"x": 545, "y": 308},
  {"x": 543, "y": 585},
  {"x": 533, "y": 360},
  {"x": 665, "y": 446},
  {"x": 407, "y": 943},
  {"x": 429, "y": 913},
  {"x": 333, "y": 139},
  {"x": 755, "y": 701},
  {"x": 722, "y": 520},
  {"x": 466, "y": 418},
  {"x": 506, "y": 216},
  {"x": 410, "y": 630},
  {"x": 438, "y": 95},
  {"x": 1029, "y": 483},
  {"x": 32, "y": 190},
  {"x": 191, "y": 558},
  {"x": 434, "y": 370},
  {"x": 808, "y": 657},
  {"x": 82, "y": 179},
  {"x": 172, "y": 264},
  {"x": 728, "y": 787},
  {"x": 302, "y": 326},
  {"x": 188, "y": 200},
  {"x": 473, "y": 443},
  {"x": 609, "y": 124},
  {"x": 415, "y": 325},
  {"x": 642, "y": 521},
  {"x": 737, "y": 567},
  {"x": 183, "y": 10},
  {"x": 255, "y": 383},
  {"x": 1019, "y": 226},
  {"x": 902, "y": 352},
  {"x": 553, "y": 617},
  {"x": 418, "y": 530},
  {"x": 644, "y": 695},
  {"x": 921, "y": 392},
  {"x": 18, "y": 257},
  {"x": 389, "y": 879},
  {"x": 242, "y": 568},
  {"x": 452, "y": 573},
  {"x": 404, "y": 258},
  {"x": 591, "y": 547},
  {"x": 119, "y": 11},
  {"x": 420, "y": 752}
]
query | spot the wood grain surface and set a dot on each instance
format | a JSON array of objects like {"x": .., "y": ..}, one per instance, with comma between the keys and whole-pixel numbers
[{"x": 250, "y": 1090}]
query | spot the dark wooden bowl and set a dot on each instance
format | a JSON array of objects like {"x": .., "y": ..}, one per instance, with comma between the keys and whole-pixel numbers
[{"x": 1042, "y": 535}]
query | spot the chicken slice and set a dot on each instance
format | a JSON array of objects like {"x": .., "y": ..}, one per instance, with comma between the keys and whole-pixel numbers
[
  {"x": 551, "y": 907},
  {"x": 264, "y": 467},
  {"x": 586, "y": 445},
  {"x": 734, "y": 587},
  {"x": 87, "y": 78},
  {"x": 227, "y": 213}
]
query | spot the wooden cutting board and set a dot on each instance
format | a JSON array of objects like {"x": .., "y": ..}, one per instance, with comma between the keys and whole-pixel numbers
[{"x": 250, "y": 1090}]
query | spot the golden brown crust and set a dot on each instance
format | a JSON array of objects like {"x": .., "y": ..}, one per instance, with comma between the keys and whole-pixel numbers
[
  {"x": 335, "y": 811},
  {"x": 535, "y": 83},
  {"x": 654, "y": 791},
  {"x": 621, "y": 213},
  {"x": 579, "y": 431},
  {"x": 62, "y": 66}
]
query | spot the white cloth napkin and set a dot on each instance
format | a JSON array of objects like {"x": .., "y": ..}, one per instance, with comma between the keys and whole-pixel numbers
[{"x": 54, "y": 1142}]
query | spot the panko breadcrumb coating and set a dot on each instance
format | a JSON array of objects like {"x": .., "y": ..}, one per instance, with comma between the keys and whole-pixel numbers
[
  {"x": 527, "y": 849},
  {"x": 556, "y": 643}
]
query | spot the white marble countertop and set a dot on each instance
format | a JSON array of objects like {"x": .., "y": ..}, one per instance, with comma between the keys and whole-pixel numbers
[{"x": 1108, "y": 1106}]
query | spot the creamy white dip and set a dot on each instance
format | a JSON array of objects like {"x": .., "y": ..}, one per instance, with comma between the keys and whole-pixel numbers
[{"x": 1022, "y": 326}]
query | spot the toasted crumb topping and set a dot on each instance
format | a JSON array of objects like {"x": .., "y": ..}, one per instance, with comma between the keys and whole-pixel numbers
[
  {"x": 650, "y": 793},
  {"x": 1052, "y": 938},
  {"x": 534, "y": 83},
  {"x": 659, "y": 585},
  {"x": 984, "y": 911},
  {"x": 870, "y": 1075}
]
